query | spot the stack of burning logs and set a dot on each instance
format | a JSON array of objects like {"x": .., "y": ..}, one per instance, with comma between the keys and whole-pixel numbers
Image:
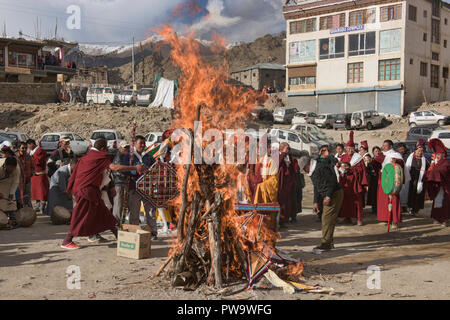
[{"x": 209, "y": 247}]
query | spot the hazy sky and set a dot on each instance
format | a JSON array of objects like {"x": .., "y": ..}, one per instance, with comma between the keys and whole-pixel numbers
[{"x": 117, "y": 21}]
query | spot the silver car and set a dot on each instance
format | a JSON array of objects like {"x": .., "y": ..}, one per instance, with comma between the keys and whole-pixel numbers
[
  {"x": 50, "y": 142},
  {"x": 144, "y": 97},
  {"x": 128, "y": 98}
]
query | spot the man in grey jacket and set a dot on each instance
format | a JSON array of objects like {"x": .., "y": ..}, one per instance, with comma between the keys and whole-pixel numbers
[
  {"x": 120, "y": 180},
  {"x": 326, "y": 191}
]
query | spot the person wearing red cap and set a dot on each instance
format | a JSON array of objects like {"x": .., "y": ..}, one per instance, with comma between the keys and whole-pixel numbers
[
  {"x": 388, "y": 156},
  {"x": 353, "y": 207},
  {"x": 415, "y": 168},
  {"x": 438, "y": 183}
]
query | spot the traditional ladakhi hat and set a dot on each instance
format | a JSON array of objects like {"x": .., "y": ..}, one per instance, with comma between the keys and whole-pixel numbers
[
  {"x": 350, "y": 142},
  {"x": 437, "y": 146},
  {"x": 364, "y": 145},
  {"x": 420, "y": 144}
]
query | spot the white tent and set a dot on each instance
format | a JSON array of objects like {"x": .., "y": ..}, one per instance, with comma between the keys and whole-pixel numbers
[{"x": 164, "y": 95}]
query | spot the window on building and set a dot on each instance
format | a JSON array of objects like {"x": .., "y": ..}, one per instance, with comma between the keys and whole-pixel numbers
[
  {"x": 434, "y": 76},
  {"x": 425, "y": 37},
  {"x": 362, "y": 43},
  {"x": 445, "y": 72},
  {"x": 355, "y": 72},
  {"x": 435, "y": 31},
  {"x": 391, "y": 13},
  {"x": 331, "y": 48},
  {"x": 20, "y": 59},
  {"x": 298, "y": 81},
  {"x": 302, "y": 51},
  {"x": 360, "y": 17},
  {"x": 411, "y": 61},
  {"x": 389, "y": 69},
  {"x": 390, "y": 40},
  {"x": 435, "y": 56},
  {"x": 412, "y": 13},
  {"x": 303, "y": 26},
  {"x": 445, "y": 43},
  {"x": 445, "y": 21},
  {"x": 254, "y": 74},
  {"x": 435, "y": 8},
  {"x": 2, "y": 59},
  {"x": 425, "y": 13},
  {"x": 423, "y": 69},
  {"x": 332, "y": 22}
]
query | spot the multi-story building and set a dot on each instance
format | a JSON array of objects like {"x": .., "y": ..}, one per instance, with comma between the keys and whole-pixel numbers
[
  {"x": 348, "y": 55},
  {"x": 262, "y": 75}
]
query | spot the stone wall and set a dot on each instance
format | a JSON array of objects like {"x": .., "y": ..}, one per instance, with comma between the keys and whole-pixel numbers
[{"x": 33, "y": 93}]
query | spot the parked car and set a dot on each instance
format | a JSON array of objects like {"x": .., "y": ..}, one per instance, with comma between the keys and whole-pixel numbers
[
  {"x": 304, "y": 117},
  {"x": 261, "y": 113},
  {"x": 367, "y": 119},
  {"x": 144, "y": 97},
  {"x": 325, "y": 120},
  {"x": 343, "y": 120},
  {"x": 50, "y": 142},
  {"x": 422, "y": 132},
  {"x": 315, "y": 134},
  {"x": 4, "y": 137},
  {"x": 113, "y": 137},
  {"x": 128, "y": 98},
  {"x": 427, "y": 117},
  {"x": 411, "y": 145},
  {"x": 284, "y": 115},
  {"x": 102, "y": 95},
  {"x": 17, "y": 136},
  {"x": 443, "y": 135},
  {"x": 298, "y": 142},
  {"x": 152, "y": 138}
]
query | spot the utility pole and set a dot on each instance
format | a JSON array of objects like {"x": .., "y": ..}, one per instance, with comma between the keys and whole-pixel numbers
[
  {"x": 143, "y": 64},
  {"x": 132, "y": 63},
  {"x": 56, "y": 28},
  {"x": 4, "y": 29}
]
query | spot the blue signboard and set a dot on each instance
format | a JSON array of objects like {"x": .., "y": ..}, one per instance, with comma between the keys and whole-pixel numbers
[{"x": 347, "y": 29}]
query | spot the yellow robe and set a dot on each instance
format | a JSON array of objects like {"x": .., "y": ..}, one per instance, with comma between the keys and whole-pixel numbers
[{"x": 267, "y": 191}]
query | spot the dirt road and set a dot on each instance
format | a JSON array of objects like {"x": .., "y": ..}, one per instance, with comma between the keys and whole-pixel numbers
[{"x": 413, "y": 263}]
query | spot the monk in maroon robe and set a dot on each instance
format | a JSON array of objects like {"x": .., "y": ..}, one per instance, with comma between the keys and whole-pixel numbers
[
  {"x": 388, "y": 156},
  {"x": 437, "y": 180},
  {"x": 360, "y": 186},
  {"x": 252, "y": 180},
  {"x": 39, "y": 181},
  {"x": 287, "y": 183},
  {"x": 347, "y": 180},
  {"x": 90, "y": 215}
]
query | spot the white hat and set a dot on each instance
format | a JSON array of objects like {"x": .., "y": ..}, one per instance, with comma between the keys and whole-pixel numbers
[{"x": 124, "y": 144}]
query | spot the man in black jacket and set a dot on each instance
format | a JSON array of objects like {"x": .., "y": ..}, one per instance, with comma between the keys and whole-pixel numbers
[{"x": 327, "y": 192}]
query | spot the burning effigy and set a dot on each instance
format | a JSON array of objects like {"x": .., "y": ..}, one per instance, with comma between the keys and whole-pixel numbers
[{"x": 219, "y": 240}]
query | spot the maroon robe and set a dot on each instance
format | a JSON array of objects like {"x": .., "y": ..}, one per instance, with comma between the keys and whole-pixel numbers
[
  {"x": 90, "y": 215},
  {"x": 253, "y": 179},
  {"x": 287, "y": 186},
  {"x": 359, "y": 172},
  {"x": 383, "y": 198},
  {"x": 39, "y": 181},
  {"x": 352, "y": 200},
  {"x": 436, "y": 178}
]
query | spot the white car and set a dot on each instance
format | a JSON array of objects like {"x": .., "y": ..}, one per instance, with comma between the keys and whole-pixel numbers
[
  {"x": 17, "y": 136},
  {"x": 419, "y": 118},
  {"x": 283, "y": 115},
  {"x": 144, "y": 97},
  {"x": 443, "y": 135},
  {"x": 325, "y": 120},
  {"x": 50, "y": 142},
  {"x": 153, "y": 137},
  {"x": 113, "y": 137},
  {"x": 314, "y": 134},
  {"x": 297, "y": 141},
  {"x": 304, "y": 117},
  {"x": 367, "y": 119},
  {"x": 105, "y": 95}
]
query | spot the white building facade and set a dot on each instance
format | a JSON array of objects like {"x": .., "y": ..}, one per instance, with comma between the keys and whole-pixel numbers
[{"x": 385, "y": 55}]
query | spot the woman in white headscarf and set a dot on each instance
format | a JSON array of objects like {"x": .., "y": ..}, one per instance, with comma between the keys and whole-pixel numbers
[{"x": 415, "y": 168}]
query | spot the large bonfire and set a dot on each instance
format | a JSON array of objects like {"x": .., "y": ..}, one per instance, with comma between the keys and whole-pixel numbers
[{"x": 213, "y": 242}]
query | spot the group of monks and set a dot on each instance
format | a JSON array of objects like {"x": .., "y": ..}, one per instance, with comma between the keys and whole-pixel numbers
[{"x": 359, "y": 174}]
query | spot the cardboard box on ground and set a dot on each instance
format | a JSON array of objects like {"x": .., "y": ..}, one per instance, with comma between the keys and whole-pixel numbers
[{"x": 134, "y": 242}]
